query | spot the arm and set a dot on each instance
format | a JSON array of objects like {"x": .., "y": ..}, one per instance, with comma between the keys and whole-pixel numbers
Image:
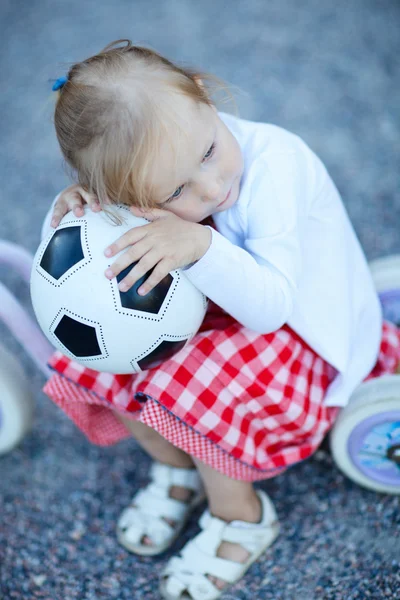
[{"x": 258, "y": 296}]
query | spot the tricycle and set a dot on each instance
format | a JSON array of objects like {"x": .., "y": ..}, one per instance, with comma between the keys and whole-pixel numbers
[{"x": 365, "y": 440}]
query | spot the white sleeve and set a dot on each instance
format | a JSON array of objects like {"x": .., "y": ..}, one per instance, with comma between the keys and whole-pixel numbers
[{"x": 257, "y": 284}]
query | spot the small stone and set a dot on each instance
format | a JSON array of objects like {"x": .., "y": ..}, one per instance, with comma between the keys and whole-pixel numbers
[
  {"x": 76, "y": 534},
  {"x": 388, "y": 592},
  {"x": 319, "y": 455},
  {"x": 39, "y": 579}
]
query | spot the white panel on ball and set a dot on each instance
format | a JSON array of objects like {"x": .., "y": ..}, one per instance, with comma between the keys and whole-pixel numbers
[{"x": 88, "y": 319}]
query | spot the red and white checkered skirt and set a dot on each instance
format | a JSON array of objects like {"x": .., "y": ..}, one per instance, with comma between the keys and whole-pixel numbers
[{"x": 248, "y": 405}]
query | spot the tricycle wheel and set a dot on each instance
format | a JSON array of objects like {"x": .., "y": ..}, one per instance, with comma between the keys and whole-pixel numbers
[
  {"x": 16, "y": 402},
  {"x": 365, "y": 440}
]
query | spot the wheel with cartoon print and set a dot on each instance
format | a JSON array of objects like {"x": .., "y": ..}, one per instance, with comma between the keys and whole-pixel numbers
[
  {"x": 365, "y": 441},
  {"x": 16, "y": 402}
]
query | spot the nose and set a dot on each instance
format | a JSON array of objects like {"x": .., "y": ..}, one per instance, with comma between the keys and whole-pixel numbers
[{"x": 209, "y": 187}]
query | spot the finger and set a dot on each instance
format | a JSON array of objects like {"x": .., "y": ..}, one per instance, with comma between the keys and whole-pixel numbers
[
  {"x": 78, "y": 210},
  {"x": 95, "y": 206},
  {"x": 72, "y": 201},
  {"x": 55, "y": 220},
  {"x": 90, "y": 199},
  {"x": 59, "y": 211},
  {"x": 129, "y": 238},
  {"x": 151, "y": 215},
  {"x": 160, "y": 271},
  {"x": 139, "y": 270},
  {"x": 132, "y": 255}
]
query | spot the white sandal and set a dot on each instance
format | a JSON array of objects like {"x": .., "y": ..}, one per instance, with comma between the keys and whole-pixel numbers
[
  {"x": 185, "y": 576},
  {"x": 152, "y": 503}
]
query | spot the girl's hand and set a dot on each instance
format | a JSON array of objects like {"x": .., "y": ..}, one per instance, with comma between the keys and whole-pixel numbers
[
  {"x": 166, "y": 243},
  {"x": 73, "y": 198}
]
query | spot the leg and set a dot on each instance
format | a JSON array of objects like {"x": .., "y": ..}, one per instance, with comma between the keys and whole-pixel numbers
[
  {"x": 229, "y": 499},
  {"x": 155, "y": 445}
]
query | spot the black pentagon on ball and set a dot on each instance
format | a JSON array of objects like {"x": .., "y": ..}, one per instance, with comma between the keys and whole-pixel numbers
[
  {"x": 63, "y": 251},
  {"x": 163, "y": 352},
  {"x": 80, "y": 339},
  {"x": 151, "y": 302}
]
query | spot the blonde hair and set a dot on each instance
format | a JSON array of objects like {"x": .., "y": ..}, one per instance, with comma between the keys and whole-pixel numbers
[{"x": 110, "y": 118}]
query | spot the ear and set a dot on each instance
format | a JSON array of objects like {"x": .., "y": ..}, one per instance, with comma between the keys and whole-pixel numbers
[
  {"x": 201, "y": 85},
  {"x": 200, "y": 82}
]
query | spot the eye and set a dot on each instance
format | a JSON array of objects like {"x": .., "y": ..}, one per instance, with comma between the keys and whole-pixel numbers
[
  {"x": 176, "y": 194},
  {"x": 209, "y": 152}
]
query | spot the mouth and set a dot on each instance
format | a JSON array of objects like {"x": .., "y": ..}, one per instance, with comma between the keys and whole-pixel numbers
[{"x": 226, "y": 198}]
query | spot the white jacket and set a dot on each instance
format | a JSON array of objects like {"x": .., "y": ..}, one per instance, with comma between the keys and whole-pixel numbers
[{"x": 286, "y": 252}]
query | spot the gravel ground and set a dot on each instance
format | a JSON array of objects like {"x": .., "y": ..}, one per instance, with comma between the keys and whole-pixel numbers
[{"x": 330, "y": 73}]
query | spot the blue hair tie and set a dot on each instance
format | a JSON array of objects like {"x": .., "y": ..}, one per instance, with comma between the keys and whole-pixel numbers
[{"x": 61, "y": 81}]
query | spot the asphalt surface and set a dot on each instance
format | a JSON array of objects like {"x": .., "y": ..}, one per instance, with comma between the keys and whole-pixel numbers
[{"x": 326, "y": 71}]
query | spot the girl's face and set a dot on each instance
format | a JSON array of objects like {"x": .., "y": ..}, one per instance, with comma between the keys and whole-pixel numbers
[{"x": 201, "y": 174}]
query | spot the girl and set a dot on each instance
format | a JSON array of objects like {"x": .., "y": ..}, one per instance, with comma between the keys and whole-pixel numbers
[{"x": 293, "y": 326}]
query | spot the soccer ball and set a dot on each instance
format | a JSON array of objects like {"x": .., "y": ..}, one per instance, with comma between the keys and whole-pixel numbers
[{"x": 88, "y": 319}]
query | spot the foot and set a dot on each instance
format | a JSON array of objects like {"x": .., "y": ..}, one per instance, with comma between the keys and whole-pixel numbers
[
  {"x": 221, "y": 553},
  {"x": 178, "y": 493},
  {"x": 236, "y": 552},
  {"x": 159, "y": 511}
]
